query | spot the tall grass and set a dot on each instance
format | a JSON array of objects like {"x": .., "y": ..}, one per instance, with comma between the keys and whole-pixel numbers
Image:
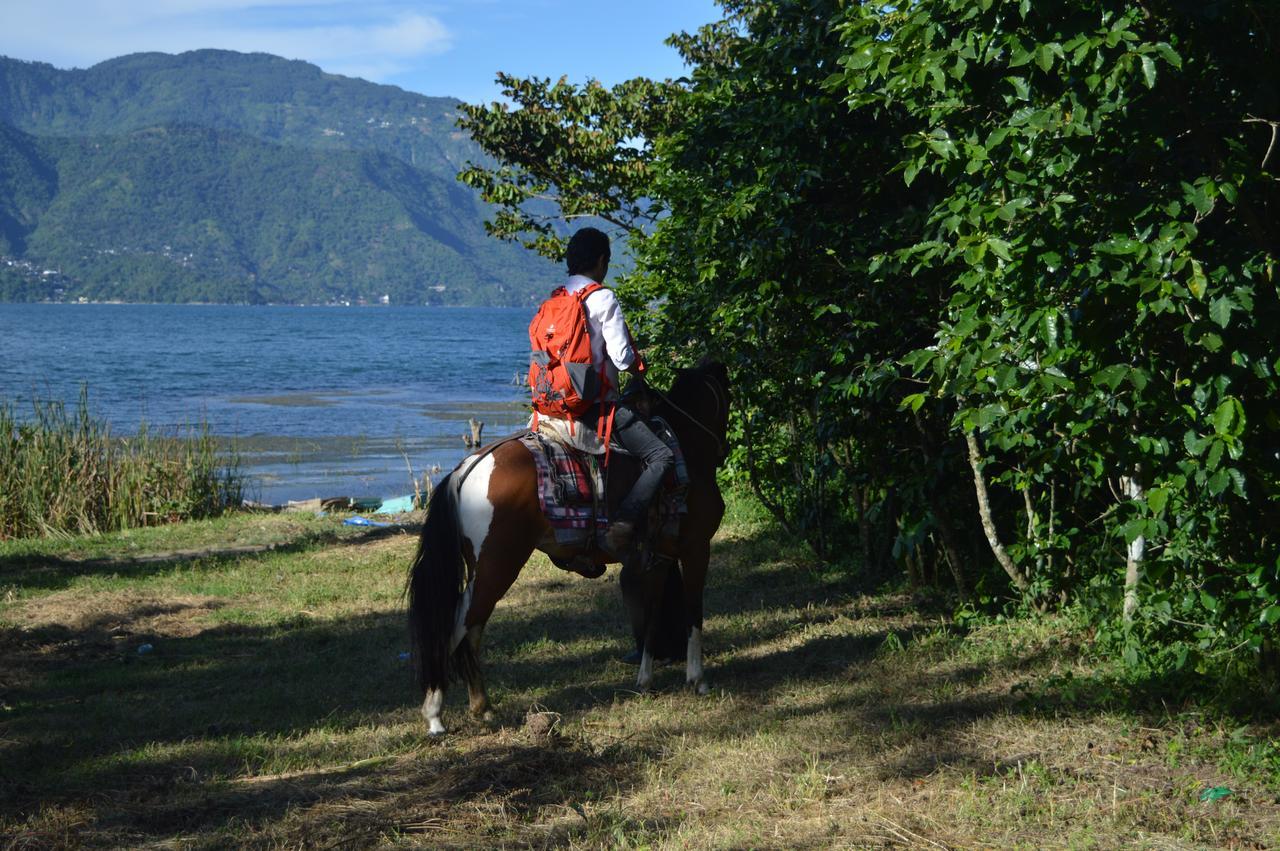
[{"x": 63, "y": 471}]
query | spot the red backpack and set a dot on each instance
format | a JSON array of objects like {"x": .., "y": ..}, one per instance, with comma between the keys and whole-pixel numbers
[{"x": 561, "y": 375}]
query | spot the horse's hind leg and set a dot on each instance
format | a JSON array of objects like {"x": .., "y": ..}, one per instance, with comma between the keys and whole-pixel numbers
[
  {"x": 469, "y": 664},
  {"x": 432, "y": 705}
]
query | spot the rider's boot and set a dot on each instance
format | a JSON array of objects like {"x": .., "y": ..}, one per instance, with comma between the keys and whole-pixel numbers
[{"x": 620, "y": 537}]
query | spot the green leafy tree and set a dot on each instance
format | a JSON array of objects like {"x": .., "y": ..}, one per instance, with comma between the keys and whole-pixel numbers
[
  {"x": 1108, "y": 227},
  {"x": 568, "y": 153},
  {"x": 996, "y": 279}
]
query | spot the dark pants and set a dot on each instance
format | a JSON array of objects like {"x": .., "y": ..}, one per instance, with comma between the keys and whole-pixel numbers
[{"x": 631, "y": 431}]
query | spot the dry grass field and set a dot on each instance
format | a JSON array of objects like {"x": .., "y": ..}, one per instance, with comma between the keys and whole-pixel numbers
[{"x": 273, "y": 708}]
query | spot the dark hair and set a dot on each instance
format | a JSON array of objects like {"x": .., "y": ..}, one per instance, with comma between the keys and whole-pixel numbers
[{"x": 586, "y": 247}]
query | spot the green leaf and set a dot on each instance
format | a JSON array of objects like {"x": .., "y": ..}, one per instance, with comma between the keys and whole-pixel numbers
[
  {"x": 1119, "y": 246},
  {"x": 1149, "y": 71},
  {"x": 1133, "y": 530},
  {"x": 860, "y": 59},
  {"x": 1237, "y": 482},
  {"x": 1010, "y": 210},
  {"x": 1228, "y": 418},
  {"x": 1199, "y": 283},
  {"x": 910, "y": 172},
  {"x": 1157, "y": 498},
  {"x": 1111, "y": 376},
  {"x": 1049, "y": 328},
  {"x": 1018, "y": 55},
  {"x": 1218, "y": 482},
  {"x": 988, "y": 414},
  {"x": 1220, "y": 310},
  {"x": 1168, "y": 54},
  {"x": 1000, "y": 248},
  {"x": 1198, "y": 195},
  {"x": 1214, "y": 458},
  {"x": 1270, "y": 615},
  {"x": 1044, "y": 57},
  {"x": 914, "y": 401}
]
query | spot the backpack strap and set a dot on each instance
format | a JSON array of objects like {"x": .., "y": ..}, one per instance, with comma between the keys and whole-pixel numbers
[
  {"x": 587, "y": 290},
  {"x": 606, "y": 420},
  {"x": 607, "y": 436}
]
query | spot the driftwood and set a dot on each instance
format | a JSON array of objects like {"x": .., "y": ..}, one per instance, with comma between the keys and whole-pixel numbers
[{"x": 473, "y": 440}]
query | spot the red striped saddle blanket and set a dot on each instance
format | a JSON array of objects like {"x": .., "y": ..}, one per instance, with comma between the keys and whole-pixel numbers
[{"x": 571, "y": 485}]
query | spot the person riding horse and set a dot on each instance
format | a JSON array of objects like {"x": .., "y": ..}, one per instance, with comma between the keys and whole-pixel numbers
[{"x": 612, "y": 351}]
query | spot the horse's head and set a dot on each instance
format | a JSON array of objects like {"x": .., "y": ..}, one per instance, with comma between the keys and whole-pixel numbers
[{"x": 697, "y": 406}]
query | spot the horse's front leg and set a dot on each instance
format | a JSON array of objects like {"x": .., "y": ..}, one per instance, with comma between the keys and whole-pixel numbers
[
  {"x": 642, "y": 587},
  {"x": 693, "y": 567}
]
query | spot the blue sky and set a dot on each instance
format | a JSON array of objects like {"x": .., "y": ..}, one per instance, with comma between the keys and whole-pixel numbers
[{"x": 448, "y": 47}]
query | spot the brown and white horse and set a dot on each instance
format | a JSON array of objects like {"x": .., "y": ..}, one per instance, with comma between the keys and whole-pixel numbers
[{"x": 484, "y": 521}]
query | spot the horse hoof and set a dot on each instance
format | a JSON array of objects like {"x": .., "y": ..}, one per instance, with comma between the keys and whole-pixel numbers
[
  {"x": 701, "y": 688},
  {"x": 434, "y": 727}
]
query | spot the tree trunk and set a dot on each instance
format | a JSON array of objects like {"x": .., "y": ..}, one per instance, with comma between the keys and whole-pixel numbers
[
  {"x": 1131, "y": 487},
  {"x": 941, "y": 516},
  {"x": 988, "y": 524},
  {"x": 864, "y": 524},
  {"x": 889, "y": 523},
  {"x": 950, "y": 545}
]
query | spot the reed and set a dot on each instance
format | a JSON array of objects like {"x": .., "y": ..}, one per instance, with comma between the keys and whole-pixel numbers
[{"x": 62, "y": 471}]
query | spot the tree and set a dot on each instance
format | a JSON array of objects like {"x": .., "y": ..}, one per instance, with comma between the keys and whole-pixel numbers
[
  {"x": 568, "y": 153},
  {"x": 1109, "y": 229},
  {"x": 996, "y": 281}
]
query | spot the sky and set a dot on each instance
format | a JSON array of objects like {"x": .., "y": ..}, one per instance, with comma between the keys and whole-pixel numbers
[{"x": 442, "y": 48}]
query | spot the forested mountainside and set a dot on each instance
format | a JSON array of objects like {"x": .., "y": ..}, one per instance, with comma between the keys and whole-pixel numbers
[{"x": 226, "y": 177}]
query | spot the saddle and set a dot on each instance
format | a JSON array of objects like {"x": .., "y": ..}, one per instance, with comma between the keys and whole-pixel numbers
[{"x": 573, "y": 484}]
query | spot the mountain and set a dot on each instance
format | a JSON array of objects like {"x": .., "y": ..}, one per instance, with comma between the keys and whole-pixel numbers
[
  {"x": 28, "y": 182},
  {"x": 219, "y": 176}
]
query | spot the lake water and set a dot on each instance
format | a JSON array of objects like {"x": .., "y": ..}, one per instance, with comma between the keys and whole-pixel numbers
[{"x": 321, "y": 401}]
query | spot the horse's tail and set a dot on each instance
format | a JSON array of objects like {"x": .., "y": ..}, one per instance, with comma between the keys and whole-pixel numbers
[{"x": 435, "y": 588}]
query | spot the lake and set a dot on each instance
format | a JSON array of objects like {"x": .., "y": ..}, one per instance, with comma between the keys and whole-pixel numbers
[{"x": 320, "y": 401}]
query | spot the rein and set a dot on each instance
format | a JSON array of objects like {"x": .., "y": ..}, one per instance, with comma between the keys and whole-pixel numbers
[{"x": 722, "y": 446}]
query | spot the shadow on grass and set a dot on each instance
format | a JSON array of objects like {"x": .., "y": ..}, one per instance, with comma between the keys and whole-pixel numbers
[
  {"x": 458, "y": 802},
  {"x": 161, "y": 743},
  {"x": 55, "y": 573}
]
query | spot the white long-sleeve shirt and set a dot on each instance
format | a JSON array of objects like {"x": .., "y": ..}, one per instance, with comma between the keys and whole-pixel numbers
[{"x": 610, "y": 340}]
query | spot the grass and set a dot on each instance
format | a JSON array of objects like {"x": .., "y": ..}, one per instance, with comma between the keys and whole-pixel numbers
[
  {"x": 64, "y": 472},
  {"x": 274, "y": 709}
]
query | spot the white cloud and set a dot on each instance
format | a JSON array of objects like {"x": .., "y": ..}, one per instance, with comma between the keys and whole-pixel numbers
[{"x": 372, "y": 40}]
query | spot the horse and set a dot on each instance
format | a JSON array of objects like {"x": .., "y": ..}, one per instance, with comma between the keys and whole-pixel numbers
[{"x": 484, "y": 521}]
